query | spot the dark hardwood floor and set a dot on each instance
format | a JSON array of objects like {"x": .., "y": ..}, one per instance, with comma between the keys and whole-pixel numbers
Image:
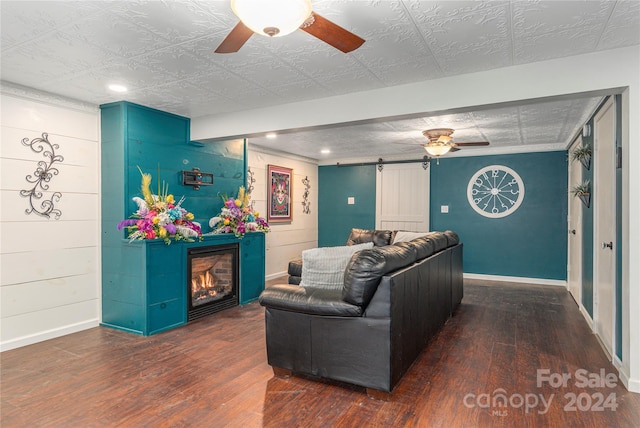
[{"x": 213, "y": 373}]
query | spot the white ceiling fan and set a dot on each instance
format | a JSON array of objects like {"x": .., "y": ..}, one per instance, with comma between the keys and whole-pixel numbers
[
  {"x": 276, "y": 18},
  {"x": 441, "y": 142}
]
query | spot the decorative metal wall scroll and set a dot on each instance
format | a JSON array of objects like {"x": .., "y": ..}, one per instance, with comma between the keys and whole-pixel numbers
[
  {"x": 250, "y": 180},
  {"x": 306, "y": 203},
  {"x": 41, "y": 176}
]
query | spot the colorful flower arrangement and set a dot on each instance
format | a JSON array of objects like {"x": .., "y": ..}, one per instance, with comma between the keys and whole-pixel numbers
[
  {"x": 159, "y": 217},
  {"x": 238, "y": 217}
]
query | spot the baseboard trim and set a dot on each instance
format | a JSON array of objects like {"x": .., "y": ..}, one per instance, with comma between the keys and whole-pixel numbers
[
  {"x": 587, "y": 317},
  {"x": 276, "y": 275},
  {"x": 632, "y": 385},
  {"x": 49, "y": 334},
  {"x": 518, "y": 279},
  {"x": 622, "y": 374}
]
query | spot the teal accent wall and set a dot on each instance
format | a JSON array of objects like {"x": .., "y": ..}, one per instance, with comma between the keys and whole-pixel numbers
[
  {"x": 335, "y": 217},
  {"x": 159, "y": 143},
  {"x": 532, "y": 241},
  {"x": 587, "y": 235}
]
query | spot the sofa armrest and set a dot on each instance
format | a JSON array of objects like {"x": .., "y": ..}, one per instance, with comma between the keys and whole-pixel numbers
[
  {"x": 308, "y": 300},
  {"x": 295, "y": 267}
]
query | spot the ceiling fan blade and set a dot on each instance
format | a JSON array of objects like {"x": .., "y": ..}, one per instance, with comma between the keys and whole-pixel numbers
[
  {"x": 333, "y": 34},
  {"x": 407, "y": 143},
  {"x": 473, "y": 143},
  {"x": 235, "y": 39},
  {"x": 453, "y": 149}
]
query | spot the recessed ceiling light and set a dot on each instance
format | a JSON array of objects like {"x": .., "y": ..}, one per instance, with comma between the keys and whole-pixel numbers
[
  {"x": 325, "y": 151},
  {"x": 118, "y": 88},
  {"x": 271, "y": 135}
]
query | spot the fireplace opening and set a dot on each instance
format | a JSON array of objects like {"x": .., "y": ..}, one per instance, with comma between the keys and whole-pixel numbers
[{"x": 212, "y": 284}]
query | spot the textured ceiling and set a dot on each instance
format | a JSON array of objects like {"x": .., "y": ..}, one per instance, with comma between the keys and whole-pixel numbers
[{"x": 163, "y": 52}]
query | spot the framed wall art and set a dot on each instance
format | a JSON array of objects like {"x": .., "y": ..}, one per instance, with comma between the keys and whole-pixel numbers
[{"x": 280, "y": 182}]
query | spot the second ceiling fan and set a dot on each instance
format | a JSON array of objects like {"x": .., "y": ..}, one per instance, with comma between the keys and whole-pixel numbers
[
  {"x": 441, "y": 142},
  {"x": 275, "y": 18}
]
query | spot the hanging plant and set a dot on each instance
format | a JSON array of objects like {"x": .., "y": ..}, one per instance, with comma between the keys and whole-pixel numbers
[
  {"x": 582, "y": 154},
  {"x": 583, "y": 191}
]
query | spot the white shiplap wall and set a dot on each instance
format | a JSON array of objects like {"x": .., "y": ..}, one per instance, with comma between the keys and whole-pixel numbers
[
  {"x": 286, "y": 241},
  {"x": 49, "y": 269}
]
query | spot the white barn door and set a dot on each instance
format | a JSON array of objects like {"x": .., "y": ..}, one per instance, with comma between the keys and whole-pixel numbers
[{"x": 402, "y": 197}]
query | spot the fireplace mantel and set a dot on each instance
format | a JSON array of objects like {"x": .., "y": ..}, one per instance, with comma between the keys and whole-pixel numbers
[{"x": 145, "y": 293}]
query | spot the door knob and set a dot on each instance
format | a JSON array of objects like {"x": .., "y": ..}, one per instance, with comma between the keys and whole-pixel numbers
[
  {"x": 608, "y": 245},
  {"x": 572, "y": 231}
]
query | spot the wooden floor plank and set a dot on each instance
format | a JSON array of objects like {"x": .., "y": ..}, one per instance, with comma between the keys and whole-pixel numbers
[{"x": 213, "y": 372}]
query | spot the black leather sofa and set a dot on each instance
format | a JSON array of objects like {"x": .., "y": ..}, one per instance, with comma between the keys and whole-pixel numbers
[
  {"x": 395, "y": 298},
  {"x": 357, "y": 236}
]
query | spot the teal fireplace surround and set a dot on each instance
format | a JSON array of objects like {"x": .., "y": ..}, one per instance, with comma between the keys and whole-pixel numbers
[
  {"x": 144, "y": 283},
  {"x": 148, "y": 293}
]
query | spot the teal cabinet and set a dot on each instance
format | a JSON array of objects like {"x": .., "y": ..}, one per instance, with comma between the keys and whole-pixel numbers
[
  {"x": 150, "y": 298},
  {"x": 149, "y": 295},
  {"x": 252, "y": 266}
]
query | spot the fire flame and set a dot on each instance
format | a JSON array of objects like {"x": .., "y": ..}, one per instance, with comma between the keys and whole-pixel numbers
[{"x": 203, "y": 282}]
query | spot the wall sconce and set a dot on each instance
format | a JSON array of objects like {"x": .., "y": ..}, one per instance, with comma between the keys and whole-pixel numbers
[{"x": 196, "y": 178}]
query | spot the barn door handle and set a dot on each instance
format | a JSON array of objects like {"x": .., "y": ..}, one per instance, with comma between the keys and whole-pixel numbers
[{"x": 608, "y": 245}]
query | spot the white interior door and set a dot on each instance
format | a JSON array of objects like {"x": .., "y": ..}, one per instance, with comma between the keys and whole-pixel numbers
[
  {"x": 402, "y": 197},
  {"x": 604, "y": 220},
  {"x": 574, "y": 221}
]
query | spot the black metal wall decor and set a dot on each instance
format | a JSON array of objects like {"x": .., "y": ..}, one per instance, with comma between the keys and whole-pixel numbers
[
  {"x": 426, "y": 160},
  {"x": 306, "y": 203},
  {"x": 41, "y": 177},
  {"x": 250, "y": 180}
]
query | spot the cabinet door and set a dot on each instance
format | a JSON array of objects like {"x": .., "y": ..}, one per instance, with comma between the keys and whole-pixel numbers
[
  {"x": 166, "y": 286},
  {"x": 252, "y": 264},
  {"x": 165, "y": 272},
  {"x": 166, "y": 315}
]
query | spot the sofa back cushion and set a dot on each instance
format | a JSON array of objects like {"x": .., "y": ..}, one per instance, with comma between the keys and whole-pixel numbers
[
  {"x": 324, "y": 267},
  {"x": 452, "y": 237},
  {"x": 366, "y": 268},
  {"x": 424, "y": 246},
  {"x": 406, "y": 236},
  {"x": 378, "y": 237},
  {"x": 439, "y": 241}
]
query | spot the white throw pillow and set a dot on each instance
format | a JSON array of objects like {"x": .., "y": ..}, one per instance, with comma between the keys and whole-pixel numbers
[
  {"x": 324, "y": 267},
  {"x": 402, "y": 236}
]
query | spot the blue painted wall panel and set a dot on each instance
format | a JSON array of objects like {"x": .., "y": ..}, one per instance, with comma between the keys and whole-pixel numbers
[
  {"x": 137, "y": 136},
  {"x": 532, "y": 241},
  {"x": 336, "y": 218}
]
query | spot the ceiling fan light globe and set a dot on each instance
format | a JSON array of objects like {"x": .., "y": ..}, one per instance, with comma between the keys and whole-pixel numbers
[
  {"x": 437, "y": 150},
  {"x": 272, "y": 18}
]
